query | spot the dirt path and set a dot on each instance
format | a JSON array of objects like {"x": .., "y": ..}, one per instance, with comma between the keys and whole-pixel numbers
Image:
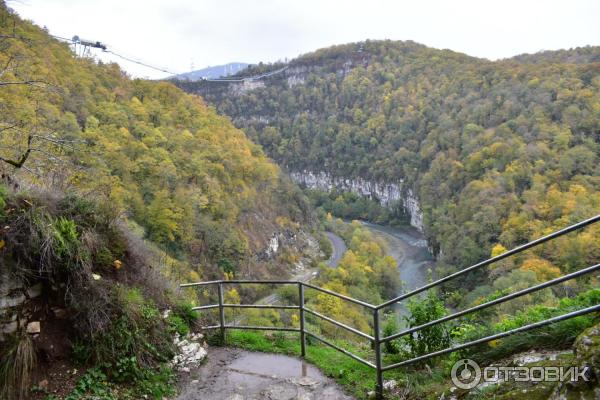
[{"x": 235, "y": 374}]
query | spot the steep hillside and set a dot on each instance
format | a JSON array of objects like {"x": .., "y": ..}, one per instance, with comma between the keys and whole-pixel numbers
[
  {"x": 112, "y": 192},
  {"x": 196, "y": 185},
  {"x": 478, "y": 153}
]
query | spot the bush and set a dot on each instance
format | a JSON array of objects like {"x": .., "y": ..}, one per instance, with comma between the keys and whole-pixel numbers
[
  {"x": 430, "y": 339},
  {"x": 117, "y": 327}
]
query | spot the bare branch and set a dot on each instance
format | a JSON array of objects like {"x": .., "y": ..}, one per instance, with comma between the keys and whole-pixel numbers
[
  {"x": 6, "y": 128},
  {"x": 19, "y": 163},
  {"x": 32, "y": 82}
]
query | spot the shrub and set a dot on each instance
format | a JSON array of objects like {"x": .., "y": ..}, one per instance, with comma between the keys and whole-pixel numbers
[{"x": 430, "y": 339}]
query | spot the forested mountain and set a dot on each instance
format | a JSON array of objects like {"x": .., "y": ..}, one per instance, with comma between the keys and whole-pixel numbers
[
  {"x": 161, "y": 157},
  {"x": 496, "y": 153},
  {"x": 112, "y": 192}
]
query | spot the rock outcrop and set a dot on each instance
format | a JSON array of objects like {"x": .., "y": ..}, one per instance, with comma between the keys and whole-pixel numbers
[{"x": 387, "y": 194}]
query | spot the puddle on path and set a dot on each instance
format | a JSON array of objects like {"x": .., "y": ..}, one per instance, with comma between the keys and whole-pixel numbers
[
  {"x": 234, "y": 374},
  {"x": 274, "y": 365}
]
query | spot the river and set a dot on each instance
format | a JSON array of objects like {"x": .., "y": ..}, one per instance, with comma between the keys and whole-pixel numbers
[{"x": 409, "y": 248}]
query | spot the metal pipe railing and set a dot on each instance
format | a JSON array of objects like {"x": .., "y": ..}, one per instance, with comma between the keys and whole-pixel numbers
[
  {"x": 341, "y": 325},
  {"x": 494, "y": 302},
  {"x": 500, "y": 335},
  {"x": 376, "y": 338},
  {"x": 341, "y": 296},
  {"x": 341, "y": 350},
  {"x": 492, "y": 260}
]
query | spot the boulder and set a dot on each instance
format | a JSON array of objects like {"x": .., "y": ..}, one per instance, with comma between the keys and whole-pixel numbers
[
  {"x": 34, "y": 327},
  {"x": 12, "y": 301},
  {"x": 11, "y": 327},
  {"x": 587, "y": 350},
  {"x": 35, "y": 291},
  {"x": 587, "y": 355}
]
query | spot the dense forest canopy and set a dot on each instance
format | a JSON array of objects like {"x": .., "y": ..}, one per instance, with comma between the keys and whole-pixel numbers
[
  {"x": 497, "y": 152},
  {"x": 163, "y": 158}
]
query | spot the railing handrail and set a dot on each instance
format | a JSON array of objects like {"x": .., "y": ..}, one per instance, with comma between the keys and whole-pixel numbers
[
  {"x": 377, "y": 339},
  {"x": 494, "y": 302},
  {"x": 492, "y": 260}
]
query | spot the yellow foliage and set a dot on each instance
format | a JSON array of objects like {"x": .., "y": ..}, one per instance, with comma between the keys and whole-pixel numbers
[
  {"x": 232, "y": 296},
  {"x": 194, "y": 276},
  {"x": 498, "y": 249},
  {"x": 544, "y": 270}
]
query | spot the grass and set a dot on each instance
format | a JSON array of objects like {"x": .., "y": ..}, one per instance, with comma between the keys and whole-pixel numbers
[{"x": 16, "y": 366}]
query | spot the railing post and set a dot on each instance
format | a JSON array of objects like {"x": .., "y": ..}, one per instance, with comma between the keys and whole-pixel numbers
[
  {"x": 302, "y": 331},
  {"x": 377, "y": 343},
  {"x": 221, "y": 313}
]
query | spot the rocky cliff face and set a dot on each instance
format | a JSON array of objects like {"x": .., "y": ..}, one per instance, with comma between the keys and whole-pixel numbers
[{"x": 386, "y": 193}]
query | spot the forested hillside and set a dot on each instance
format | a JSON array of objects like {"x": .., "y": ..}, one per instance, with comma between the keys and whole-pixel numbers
[
  {"x": 112, "y": 192},
  {"x": 165, "y": 160},
  {"x": 496, "y": 153}
]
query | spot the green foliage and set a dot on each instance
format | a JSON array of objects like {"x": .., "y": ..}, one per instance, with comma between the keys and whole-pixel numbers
[
  {"x": 430, "y": 339},
  {"x": 177, "y": 324},
  {"x": 391, "y": 327},
  {"x": 496, "y": 152},
  {"x": 93, "y": 385},
  {"x": 158, "y": 156},
  {"x": 325, "y": 245},
  {"x": 65, "y": 233},
  {"x": 3, "y": 193},
  {"x": 557, "y": 335},
  {"x": 81, "y": 352},
  {"x": 365, "y": 273},
  {"x": 186, "y": 312}
]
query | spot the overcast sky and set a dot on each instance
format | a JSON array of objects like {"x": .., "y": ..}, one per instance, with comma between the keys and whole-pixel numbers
[{"x": 176, "y": 33}]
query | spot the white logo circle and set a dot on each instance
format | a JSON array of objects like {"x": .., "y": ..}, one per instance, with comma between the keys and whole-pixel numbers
[{"x": 466, "y": 374}]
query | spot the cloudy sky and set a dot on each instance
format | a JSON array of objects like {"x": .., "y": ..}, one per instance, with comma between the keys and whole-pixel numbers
[{"x": 176, "y": 34}]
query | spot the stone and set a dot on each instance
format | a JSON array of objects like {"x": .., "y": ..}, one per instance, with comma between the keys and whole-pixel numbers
[
  {"x": 587, "y": 353},
  {"x": 306, "y": 381},
  {"x": 34, "y": 327},
  {"x": 11, "y": 327},
  {"x": 390, "y": 385},
  {"x": 7, "y": 302},
  {"x": 8, "y": 284},
  {"x": 60, "y": 313},
  {"x": 35, "y": 291}
]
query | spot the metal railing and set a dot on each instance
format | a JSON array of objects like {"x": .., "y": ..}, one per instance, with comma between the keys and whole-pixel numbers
[{"x": 376, "y": 338}]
